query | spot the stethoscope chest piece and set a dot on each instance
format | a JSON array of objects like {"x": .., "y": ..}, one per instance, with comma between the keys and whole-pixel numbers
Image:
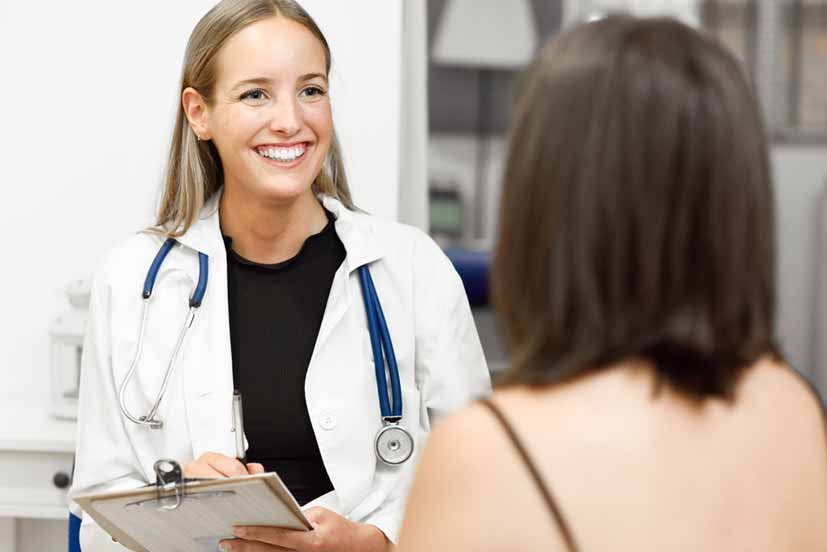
[{"x": 394, "y": 444}]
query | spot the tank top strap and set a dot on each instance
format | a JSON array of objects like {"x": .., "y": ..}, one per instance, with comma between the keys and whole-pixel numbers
[{"x": 545, "y": 491}]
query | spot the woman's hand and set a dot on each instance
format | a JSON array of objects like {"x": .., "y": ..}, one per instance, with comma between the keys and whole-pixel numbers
[
  {"x": 331, "y": 533},
  {"x": 218, "y": 466}
]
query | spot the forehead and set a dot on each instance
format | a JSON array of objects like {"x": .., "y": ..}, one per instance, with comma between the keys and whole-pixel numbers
[{"x": 273, "y": 47}]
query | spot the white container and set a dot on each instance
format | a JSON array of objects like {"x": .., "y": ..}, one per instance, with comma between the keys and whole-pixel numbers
[{"x": 67, "y": 333}]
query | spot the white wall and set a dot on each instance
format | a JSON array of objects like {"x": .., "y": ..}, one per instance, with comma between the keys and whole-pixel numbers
[
  {"x": 413, "y": 169},
  {"x": 87, "y": 102}
]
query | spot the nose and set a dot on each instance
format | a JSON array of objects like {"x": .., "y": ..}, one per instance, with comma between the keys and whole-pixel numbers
[{"x": 285, "y": 118}]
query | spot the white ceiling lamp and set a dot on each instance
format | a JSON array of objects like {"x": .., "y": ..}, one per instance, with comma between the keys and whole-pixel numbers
[
  {"x": 485, "y": 33},
  {"x": 575, "y": 11}
]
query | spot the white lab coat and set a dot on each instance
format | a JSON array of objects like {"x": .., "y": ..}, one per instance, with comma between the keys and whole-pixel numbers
[{"x": 440, "y": 360}]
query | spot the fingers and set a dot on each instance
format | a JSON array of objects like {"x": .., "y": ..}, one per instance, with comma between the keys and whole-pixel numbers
[
  {"x": 213, "y": 464},
  {"x": 238, "y": 545},
  {"x": 229, "y": 466},
  {"x": 287, "y": 539},
  {"x": 254, "y": 468},
  {"x": 201, "y": 470},
  {"x": 316, "y": 514}
]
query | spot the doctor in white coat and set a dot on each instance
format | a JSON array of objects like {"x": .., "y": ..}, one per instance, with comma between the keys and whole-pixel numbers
[{"x": 254, "y": 156}]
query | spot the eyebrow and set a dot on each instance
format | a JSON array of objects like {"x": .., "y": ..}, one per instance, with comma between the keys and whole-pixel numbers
[{"x": 262, "y": 81}]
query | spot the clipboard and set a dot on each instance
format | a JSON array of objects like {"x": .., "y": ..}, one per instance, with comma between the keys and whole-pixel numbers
[{"x": 191, "y": 515}]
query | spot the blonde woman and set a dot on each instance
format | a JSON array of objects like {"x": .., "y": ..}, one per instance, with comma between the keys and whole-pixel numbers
[
  {"x": 264, "y": 260},
  {"x": 648, "y": 407}
]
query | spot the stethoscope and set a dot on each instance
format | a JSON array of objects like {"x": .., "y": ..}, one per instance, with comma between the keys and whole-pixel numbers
[{"x": 393, "y": 443}]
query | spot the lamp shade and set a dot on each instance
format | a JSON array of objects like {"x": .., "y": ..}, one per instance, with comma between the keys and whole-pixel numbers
[
  {"x": 485, "y": 33},
  {"x": 687, "y": 11}
]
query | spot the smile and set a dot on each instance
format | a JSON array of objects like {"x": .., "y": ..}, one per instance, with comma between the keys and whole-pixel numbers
[{"x": 282, "y": 154}]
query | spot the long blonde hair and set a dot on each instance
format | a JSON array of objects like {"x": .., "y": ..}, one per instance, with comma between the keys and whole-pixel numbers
[{"x": 194, "y": 172}]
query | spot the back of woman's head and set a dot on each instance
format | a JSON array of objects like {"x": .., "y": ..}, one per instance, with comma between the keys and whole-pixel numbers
[{"x": 637, "y": 218}]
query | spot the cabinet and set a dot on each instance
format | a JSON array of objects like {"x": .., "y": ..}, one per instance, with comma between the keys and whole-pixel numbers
[{"x": 36, "y": 454}]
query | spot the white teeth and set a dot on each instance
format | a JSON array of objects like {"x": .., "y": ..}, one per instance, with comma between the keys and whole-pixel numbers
[{"x": 282, "y": 154}]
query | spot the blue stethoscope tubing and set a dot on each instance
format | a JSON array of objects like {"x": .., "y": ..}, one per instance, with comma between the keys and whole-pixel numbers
[
  {"x": 380, "y": 341},
  {"x": 393, "y": 443}
]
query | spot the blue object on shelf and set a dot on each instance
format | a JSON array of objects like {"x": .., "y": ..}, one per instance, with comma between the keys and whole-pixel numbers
[
  {"x": 473, "y": 268},
  {"x": 74, "y": 533}
]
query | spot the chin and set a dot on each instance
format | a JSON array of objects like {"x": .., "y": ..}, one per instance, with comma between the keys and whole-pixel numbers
[{"x": 284, "y": 190}]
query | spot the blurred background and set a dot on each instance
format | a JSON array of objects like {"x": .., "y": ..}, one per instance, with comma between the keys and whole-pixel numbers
[
  {"x": 422, "y": 91},
  {"x": 477, "y": 49}
]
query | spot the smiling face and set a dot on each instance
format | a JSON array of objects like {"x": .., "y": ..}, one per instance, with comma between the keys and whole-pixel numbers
[{"x": 270, "y": 116}]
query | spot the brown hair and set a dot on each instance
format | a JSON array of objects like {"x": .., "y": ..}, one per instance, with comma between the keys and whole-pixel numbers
[
  {"x": 637, "y": 216},
  {"x": 194, "y": 171}
]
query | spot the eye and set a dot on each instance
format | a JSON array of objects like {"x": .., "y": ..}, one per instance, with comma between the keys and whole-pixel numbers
[
  {"x": 312, "y": 92},
  {"x": 254, "y": 96}
]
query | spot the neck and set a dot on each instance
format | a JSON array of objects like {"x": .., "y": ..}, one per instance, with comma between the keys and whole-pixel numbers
[{"x": 269, "y": 233}]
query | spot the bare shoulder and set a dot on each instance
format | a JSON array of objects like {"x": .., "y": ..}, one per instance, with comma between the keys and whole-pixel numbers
[
  {"x": 470, "y": 493},
  {"x": 781, "y": 380},
  {"x": 471, "y": 437},
  {"x": 440, "y": 513},
  {"x": 779, "y": 395}
]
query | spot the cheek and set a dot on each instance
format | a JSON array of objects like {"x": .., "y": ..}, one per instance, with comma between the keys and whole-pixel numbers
[
  {"x": 235, "y": 128},
  {"x": 320, "y": 119}
]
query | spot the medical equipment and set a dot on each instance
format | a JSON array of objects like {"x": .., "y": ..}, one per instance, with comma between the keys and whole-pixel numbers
[
  {"x": 67, "y": 333},
  {"x": 195, "y": 301},
  {"x": 393, "y": 443}
]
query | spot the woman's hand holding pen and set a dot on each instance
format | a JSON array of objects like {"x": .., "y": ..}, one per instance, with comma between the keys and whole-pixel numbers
[
  {"x": 215, "y": 465},
  {"x": 331, "y": 533}
]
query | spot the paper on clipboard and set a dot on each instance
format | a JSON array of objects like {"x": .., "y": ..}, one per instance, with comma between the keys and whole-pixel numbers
[{"x": 209, "y": 511}]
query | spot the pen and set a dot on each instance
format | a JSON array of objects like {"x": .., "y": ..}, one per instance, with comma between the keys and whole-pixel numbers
[{"x": 238, "y": 428}]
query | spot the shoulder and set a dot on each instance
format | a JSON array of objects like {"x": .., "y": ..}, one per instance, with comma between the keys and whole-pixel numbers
[
  {"x": 470, "y": 442},
  {"x": 784, "y": 399},
  {"x": 127, "y": 258},
  {"x": 404, "y": 243},
  {"x": 390, "y": 232},
  {"x": 472, "y": 492}
]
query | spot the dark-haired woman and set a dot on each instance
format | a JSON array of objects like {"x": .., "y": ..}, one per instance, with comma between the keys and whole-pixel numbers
[{"x": 648, "y": 406}]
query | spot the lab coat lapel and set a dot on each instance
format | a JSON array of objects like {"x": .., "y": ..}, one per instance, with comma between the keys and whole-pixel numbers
[
  {"x": 361, "y": 248},
  {"x": 205, "y": 233},
  {"x": 209, "y": 374},
  {"x": 339, "y": 372}
]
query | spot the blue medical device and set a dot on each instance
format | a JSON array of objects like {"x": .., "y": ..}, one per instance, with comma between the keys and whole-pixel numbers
[{"x": 393, "y": 444}]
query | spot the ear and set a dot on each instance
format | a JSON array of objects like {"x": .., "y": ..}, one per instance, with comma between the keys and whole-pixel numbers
[{"x": 195, "y": 108}]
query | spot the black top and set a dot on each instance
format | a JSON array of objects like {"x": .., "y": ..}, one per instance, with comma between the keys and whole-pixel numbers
[{"x": 275, "y": 315}]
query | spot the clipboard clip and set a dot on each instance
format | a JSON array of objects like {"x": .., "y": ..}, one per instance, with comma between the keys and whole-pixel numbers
[{"x": 169, "y": 478}]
